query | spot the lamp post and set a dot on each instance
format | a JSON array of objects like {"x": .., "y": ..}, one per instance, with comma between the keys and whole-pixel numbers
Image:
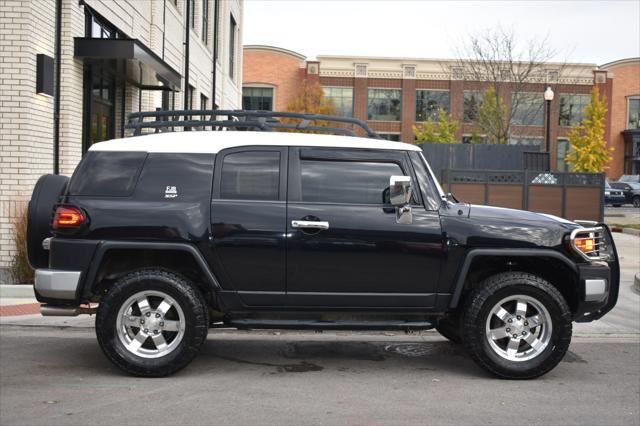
[{"x": 548, "y": 97}]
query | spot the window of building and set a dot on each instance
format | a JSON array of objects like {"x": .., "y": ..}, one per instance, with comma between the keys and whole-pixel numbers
[
  {"x": 350, "y": 182},
  {"x": 257, "y": 98},
  {"x": 633, "y": 112},
  {"x": 474, "y": 139},
  {"x": 428, "y": 102},
  {"x": 471, "y": 106},
  {"x": 572, "y": 108},
  {"x": 342, "y": 99},
  {"x": 192, "y": 13},
  {"x": 528, "y": 109},
  {"x": 205, "y": 21},
  {"x": 251, "y": 175},
  {"x": 97, "y": 28},
  {"x": 525, "y": 140},
  {"x": 390, "y": 136},
  {"x": 232, "y": 48},
  {"x": 562, "y": 149},
  {"x": 204, "y": 102},
  {"x": 384, "y": 104}
]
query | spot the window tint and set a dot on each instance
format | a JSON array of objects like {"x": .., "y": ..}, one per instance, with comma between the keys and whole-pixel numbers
[
  {"x": 110, "y": 174},
  {"x": 251, "y": 175},
  {"x": 346, "y": 181}
]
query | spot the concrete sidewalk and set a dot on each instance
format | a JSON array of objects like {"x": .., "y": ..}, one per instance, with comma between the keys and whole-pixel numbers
[{"x": 18, "y": 306}]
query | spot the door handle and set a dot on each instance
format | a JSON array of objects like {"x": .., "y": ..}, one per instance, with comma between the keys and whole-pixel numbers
[{"x": 309, "y": 224}]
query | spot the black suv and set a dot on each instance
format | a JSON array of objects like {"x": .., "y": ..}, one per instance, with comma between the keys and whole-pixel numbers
[{"x": 245, "y": 223}]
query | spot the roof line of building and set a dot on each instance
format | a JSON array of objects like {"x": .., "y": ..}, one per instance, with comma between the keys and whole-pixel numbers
[
  {"x": 414, "y": 60},
  {"x": 619, "y": 62},
  {"x": 274, "y": 49}
]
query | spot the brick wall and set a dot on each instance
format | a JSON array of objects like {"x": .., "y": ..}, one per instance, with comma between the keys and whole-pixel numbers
[
  {"x": 271, "y": 68},
  {"x": 625, "y": 83}
]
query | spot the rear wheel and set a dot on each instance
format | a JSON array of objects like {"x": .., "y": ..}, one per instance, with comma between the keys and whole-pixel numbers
[
  {"x": 517, "y": 326},
  {"x": 152, "y": 322}
]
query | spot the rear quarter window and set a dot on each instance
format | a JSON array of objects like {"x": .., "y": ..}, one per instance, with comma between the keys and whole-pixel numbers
[{"x": 107, "y": 174}]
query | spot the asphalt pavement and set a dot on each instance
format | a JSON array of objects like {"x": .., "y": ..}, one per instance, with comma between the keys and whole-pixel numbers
[{"x": 53, "y": 372}]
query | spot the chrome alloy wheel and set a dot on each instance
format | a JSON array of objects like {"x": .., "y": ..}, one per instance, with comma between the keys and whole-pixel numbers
[
  {"x": 518, "y": 328},
  {"x": 150, "y": 324}
]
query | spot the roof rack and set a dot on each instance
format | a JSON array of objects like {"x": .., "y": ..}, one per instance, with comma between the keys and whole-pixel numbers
[{"x": 243, "y": 120}]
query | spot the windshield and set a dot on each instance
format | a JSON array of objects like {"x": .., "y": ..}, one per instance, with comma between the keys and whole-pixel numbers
[
  {"x": 433, "y": 177},
  {"x": 634, "y": 185}
]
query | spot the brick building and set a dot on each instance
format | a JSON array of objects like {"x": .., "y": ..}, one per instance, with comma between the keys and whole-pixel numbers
[
  {"x": 114, "y": 58},
  {"x": 624, "y": 116},
  {"x": 393, "y": 94}
]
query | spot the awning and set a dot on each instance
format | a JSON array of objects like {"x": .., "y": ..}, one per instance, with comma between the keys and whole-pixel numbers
[{"x": 133, "y": 61}]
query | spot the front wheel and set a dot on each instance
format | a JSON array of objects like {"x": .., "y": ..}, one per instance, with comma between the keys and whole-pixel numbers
[
  {"x": 636, "y": 201},
  {"x": 151, "y": 322},
  {"x": 517, "y": 326}
]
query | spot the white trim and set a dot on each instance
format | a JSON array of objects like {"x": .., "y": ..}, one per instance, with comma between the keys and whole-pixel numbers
[{"x": 212, "y": 142}]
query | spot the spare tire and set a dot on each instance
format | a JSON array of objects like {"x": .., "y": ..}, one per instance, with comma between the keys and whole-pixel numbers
[{"x": 45, "y": 196}]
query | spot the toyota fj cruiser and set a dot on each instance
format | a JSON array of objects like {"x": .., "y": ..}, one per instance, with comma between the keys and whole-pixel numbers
[{"x": 243, "y": 222}]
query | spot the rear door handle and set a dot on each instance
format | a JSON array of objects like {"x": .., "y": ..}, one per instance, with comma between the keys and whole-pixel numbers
[{"x": 309, "y": 224}]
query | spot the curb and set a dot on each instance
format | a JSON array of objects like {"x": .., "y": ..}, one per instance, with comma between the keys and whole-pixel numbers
[
  {"x": 631, "y": 231},
  {"x": 17, "y": 291}
]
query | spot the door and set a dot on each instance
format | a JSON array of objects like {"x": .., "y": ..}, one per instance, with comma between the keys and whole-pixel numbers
[
  {"x": 344, "y": 246},
  {"x": 248, "y": 213}
]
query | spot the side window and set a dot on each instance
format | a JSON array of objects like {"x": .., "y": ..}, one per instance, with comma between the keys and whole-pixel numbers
[
  {"x": 251, "y": 175},
  {"x": 351, "y": 182}
]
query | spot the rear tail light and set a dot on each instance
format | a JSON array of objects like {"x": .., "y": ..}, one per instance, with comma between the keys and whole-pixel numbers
[{"x": 68, "y": 217}]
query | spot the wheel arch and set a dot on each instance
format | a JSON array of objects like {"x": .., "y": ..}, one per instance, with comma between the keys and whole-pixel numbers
[
  {"x": 550, "y": 265},
  {"x": 115, "y": 258}
]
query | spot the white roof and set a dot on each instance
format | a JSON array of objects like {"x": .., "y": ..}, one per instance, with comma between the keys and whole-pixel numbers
[{"x": 211, "y": 142}]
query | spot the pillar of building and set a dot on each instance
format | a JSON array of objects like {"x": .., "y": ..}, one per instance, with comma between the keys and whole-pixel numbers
[
  {"x": 408, "y": 102},
  {"x": 360, "y": 92}
]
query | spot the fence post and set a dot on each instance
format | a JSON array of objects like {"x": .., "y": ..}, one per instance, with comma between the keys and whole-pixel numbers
[{"x": 525, "y": 191}]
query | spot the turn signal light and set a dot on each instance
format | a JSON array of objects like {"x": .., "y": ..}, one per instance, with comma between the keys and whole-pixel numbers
[
  {"x": 585, "y": 245},
  {"x": 68, "y": 217}
]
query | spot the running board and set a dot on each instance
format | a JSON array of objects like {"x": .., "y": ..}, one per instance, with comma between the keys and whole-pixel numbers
[{"x": 328, "y": 325}]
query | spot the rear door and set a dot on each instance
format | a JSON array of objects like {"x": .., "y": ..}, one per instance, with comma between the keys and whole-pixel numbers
[
  {"x": 248, "y": 213},
  {"x": 344, "y": 246}
]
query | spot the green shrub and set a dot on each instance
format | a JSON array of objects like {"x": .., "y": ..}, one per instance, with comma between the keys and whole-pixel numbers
[{"x": 20, "y": 270}]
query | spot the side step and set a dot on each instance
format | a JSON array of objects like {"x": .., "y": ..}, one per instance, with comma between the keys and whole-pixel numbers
[{"x": 328, "y": 325}]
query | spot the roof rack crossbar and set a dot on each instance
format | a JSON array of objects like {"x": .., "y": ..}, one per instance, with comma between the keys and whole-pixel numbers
[{"x": 164, "y": 121}]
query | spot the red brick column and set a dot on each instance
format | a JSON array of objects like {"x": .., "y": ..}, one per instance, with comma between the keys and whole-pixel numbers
[
  {"x": 408, "y": 109},
  {"x": 360, "y": 98},
  {"x": 456, "y": 104}
]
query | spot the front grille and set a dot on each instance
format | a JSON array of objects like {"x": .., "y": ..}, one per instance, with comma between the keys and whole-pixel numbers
[{"x": 600, "y": 249}]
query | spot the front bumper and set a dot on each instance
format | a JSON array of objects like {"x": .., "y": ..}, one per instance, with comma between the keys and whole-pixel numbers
[{"x": 599, "y": 283}]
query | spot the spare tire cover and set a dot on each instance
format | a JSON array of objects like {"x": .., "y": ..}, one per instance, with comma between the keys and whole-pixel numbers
[{"x": 46, "y": 195}]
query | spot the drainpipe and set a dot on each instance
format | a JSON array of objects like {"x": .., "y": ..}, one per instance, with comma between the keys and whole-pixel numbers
[
  {"x": 186, "y": 54},
  {"x": 215, "y": 52},
  {"x": 56, "y": 96}
]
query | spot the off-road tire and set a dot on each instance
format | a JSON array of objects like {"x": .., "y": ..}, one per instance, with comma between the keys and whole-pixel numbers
[
  {"x": 492, "y": 290},
  {"x": 449, "y": 328},
  {"x": 182, "y": 291}
]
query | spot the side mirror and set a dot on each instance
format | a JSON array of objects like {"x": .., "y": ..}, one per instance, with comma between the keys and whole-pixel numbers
[{"x": 400, "y": 190}]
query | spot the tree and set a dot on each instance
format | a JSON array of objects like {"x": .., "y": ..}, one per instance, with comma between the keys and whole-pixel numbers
[
  {"x": 442, "y": 131},
  {"x": 310, "y": 99},
  {"x": 507, "y": 67},
  {"x": 492, "y": 115},
  {"x": 589, "y": 152}
]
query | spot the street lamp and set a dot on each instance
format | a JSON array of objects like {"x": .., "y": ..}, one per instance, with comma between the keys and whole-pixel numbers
[{"x": 548, "y": 97}]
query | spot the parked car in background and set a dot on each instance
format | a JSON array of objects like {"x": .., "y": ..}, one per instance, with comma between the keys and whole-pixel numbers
[
  {"x": 629, "y": 178},
  {"x": 612, "y": 196},
  {"x": 631, "y": 191}
]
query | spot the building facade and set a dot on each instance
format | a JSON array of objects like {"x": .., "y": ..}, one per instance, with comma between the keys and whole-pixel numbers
[
  {"x": 394, "y": 94},
  {"x": 624, "y": 116},
  {"x": 71, "y": 71}
]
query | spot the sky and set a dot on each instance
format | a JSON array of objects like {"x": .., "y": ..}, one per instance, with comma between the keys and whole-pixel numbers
[{"x": 579, "y": 31}]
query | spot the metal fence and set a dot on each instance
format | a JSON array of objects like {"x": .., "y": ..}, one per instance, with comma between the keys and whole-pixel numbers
[
  {"x": 444, "y": 157},
  {"x": 569, "y": 195}
]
